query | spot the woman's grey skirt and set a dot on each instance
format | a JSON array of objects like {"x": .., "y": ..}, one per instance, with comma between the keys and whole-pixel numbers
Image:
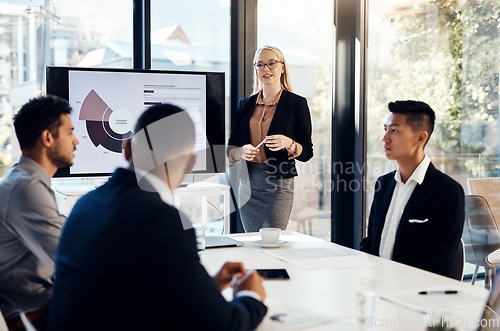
[{"x": 268, "y": 200}]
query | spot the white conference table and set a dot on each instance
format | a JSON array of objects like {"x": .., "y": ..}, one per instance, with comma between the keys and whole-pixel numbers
[{"x": 323, "y": 293}]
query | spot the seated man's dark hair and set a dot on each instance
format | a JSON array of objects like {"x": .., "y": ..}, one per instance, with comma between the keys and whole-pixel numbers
[
  {"x": 38, "y": 115},
  {"x": 419, "y": 115}
]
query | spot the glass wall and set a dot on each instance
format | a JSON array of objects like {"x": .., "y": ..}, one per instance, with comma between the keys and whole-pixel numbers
[
  {"x": 447, "y": 54},
  {"x": 192, "y": 40},
  {"x": 303, "y": 32},
  {"x": 38, "y": 33},
  {"x": 190, "y": 35},
  {"x": 194, "y": 35}
]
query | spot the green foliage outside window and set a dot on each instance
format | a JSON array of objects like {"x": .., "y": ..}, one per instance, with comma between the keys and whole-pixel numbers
[{"x": 447, "y": 54}]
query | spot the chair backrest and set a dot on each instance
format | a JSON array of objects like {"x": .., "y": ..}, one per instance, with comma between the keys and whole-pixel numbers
[
  {"x": 457, "y": 266},
  {"x": 489, "y": 188},
  {"x": 481, "y": 233}
]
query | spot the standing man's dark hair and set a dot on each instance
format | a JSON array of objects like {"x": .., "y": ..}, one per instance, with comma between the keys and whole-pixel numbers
[
  {"x": 39, "y": 114},
  {"x": 419, "y": 115}
]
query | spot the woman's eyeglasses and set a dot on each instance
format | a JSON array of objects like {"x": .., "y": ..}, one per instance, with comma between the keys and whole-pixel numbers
[{"x": 271, "y": 65}]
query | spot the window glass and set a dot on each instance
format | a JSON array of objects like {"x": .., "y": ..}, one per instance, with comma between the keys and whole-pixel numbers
[
  {"x": 194, "y": 35},
  {"x": 192, "y": 40},
  {"x": 447, "y": 54},
  {"x": 302, "y": 30},
  {"x": 190, "y": 35},
  {"x": 35, "y": 34}
]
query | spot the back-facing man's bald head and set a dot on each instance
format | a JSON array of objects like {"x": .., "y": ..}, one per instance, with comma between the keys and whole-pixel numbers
[
  {"x": 163, "y": 142},
  {"x": 158, "y": 112}
]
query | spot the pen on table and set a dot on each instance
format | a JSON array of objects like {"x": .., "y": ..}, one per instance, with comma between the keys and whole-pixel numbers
[{"x": 438, "y": 292}]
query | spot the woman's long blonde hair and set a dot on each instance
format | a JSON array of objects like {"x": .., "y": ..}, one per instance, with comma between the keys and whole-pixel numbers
[{"x": 285, "y": 77}]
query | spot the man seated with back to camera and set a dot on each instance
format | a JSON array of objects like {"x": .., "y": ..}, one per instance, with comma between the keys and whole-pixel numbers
[
  {"x": 30, "y": 223},
  {"x": 417, "y": 214},
  {"x": 128, "y": 260}
]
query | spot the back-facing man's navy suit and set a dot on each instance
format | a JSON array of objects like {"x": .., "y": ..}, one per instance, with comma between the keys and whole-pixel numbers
[
  {"x": 431, "y": 225},
  {"x": 125, "y": 262}
]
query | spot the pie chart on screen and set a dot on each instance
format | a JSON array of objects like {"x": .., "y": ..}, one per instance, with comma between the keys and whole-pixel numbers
[{"x": 105, "y": 126}]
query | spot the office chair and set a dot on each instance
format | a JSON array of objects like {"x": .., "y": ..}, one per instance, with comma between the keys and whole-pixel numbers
[
  {"x": 489, "y": 188},
  {"x": 457, "y": 266},
  {"x": 481, "y": 236}
]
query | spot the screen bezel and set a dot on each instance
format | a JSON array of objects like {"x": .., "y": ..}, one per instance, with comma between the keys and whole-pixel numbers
[{"x": 57, "y": 83}]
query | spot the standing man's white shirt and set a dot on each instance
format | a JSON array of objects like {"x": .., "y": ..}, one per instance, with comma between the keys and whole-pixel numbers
[{"x": 400, "y": 196}]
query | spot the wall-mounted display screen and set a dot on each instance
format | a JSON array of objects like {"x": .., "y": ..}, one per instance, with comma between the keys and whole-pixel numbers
[{"x": 107, "y": 103}]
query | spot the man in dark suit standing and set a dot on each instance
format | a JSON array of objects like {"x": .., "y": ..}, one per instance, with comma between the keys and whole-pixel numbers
[
  {"x": 127, "y": 259},
  {"x": 417, "y": 214}
]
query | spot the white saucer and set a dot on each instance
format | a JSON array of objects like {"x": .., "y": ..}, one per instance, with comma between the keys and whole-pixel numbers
[{"x": 280, "y": 243}]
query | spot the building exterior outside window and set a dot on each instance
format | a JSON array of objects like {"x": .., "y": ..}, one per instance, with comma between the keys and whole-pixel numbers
[{"x": 37, "y": 33}]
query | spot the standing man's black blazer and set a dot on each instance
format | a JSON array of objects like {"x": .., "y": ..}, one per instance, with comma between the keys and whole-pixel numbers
[
  {"x": 125, "y": 262},
  {"x": 291, "y": 118},
  {"x": 431, "y": 225}
]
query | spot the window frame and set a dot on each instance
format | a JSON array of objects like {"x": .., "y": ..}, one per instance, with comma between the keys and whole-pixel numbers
[{"x": 349, "y": 107}]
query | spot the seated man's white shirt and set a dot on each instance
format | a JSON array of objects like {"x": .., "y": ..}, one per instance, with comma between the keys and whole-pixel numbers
[
  {"x": 400, "y": 196},
  {"x": 158, "y": 185},
  {"x": 161, "y": 187}
]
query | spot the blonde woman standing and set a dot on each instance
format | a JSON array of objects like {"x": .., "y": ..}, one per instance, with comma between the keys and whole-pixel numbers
[{"x": 282, "y": 121}]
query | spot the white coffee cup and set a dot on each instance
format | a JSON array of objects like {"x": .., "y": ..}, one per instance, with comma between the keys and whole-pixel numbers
[{"x": 270, "y": 235}]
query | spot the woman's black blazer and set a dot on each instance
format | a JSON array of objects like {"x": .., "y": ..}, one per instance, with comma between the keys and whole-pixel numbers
[{"x": 291, "y": 118}]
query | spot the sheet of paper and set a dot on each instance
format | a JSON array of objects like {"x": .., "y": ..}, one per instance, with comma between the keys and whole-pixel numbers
[
  {"x": 320, "y": 258},
  {"x": 436, "y": 300},
  {"x": 282, "y": 316},
  {"x": 307, "y": 253}
]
